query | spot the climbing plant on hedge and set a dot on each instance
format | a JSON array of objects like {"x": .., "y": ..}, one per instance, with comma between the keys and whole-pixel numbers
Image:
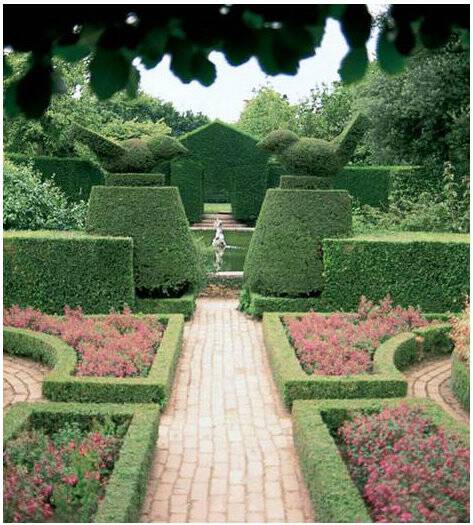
[
  {"x": 166, "y": 261},
  {"x": 186, "y": 174},
  {"x": 226, "y": 153},
  {"x": 285, "y": 253}
]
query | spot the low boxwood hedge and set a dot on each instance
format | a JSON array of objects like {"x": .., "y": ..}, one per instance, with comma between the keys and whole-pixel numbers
[
  {"x": 75, "y": 177},
  {"x": 48, "y": 270},
  {"x": 135, "y": 179},
  {"x": 62, "y": 385},
  {"x": 187, "y": 175},
  {"x": 334, "y": 496},
  {"x": 184, "y": 305},
  {"x": 126, "y": 488},
  {"x": 386, "y": 380},
  {"x": 430, "y": 270},
  {"x": 460, "y": 381}
]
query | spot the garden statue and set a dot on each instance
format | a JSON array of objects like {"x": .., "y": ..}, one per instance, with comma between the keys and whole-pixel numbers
[
  {"x": 132, "y": 155},
  {"x": 219, "y": 245},
  {"x": 315, "y": 157}
]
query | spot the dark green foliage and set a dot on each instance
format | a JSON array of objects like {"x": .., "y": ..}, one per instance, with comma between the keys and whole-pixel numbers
[
  {"x": 75, "y": 177},
  {"x": 315, "y": 157},
  {"x": 48, "y": 270},
  {"x": 125, "y": 490},
  {"x": 62, "y": 385},
  {"x": 226, "y": 153},
  {"x": 334, "y": 496},
  {"x": 301, "y": 182},
  {"x": 366, "y": 184},
  {"x": 240, "y": 32},
  {"x": 165, "y": 257},
  {"x": 255, "y": 304},
  {"x": 421, "y": 269},
  {"x": 460, "y": 381},
  {"x": 134, "y": 179},
  {"x": 285, "y": 253},
  {"x": 187, "y": 175},
  {"x": 184, "y": 305},
  {"x": 248, "y": 192},
  {"x": 274, "y": 172},
  {"x": 129, "y": 156}
]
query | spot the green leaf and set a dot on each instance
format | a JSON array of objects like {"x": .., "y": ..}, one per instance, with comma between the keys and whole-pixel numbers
[
  {"x": 252, "y": 20},
  {"x": 34, "y": 90},
  {"x": 109, "y": 72},
  {"x": 72, "y": 53},
  {"x": 152, "y": 47},
  {"x": 389, "y": 59},
  {"x": 354, "y": 65},
  {"x": 203, "y": 69}
]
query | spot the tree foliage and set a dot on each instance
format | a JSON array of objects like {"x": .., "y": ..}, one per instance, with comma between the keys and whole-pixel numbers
[{"x": 278, "y": 36}]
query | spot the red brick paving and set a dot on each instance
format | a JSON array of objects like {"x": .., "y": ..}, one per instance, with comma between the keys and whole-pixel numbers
[{"x": 225, "y": 451}]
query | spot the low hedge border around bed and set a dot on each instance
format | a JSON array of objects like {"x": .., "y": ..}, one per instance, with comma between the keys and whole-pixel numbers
[
  {"x": 184, "y": 305},
  {"x": 61, "y": 385},
  {"x": 460, "y": 381},
  {"x": 126, "y": 488},
  {"x": 334, "y": 496},
  {"x": 386, "y": 380}
]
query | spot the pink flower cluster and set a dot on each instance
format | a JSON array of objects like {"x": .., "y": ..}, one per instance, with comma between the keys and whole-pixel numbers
[
  {"x": 344, "y": 344},
  {"x": 47, "y": 481},
  {"x": 407, "y": 469},
  {"x": 119, "y": 345}
]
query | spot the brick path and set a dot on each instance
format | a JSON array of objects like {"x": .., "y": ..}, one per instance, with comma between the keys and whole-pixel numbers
[
  {"x": 22, "y": 380},
  {"x": 225, "y": 451},
  {"x": 431, "y": 380}
]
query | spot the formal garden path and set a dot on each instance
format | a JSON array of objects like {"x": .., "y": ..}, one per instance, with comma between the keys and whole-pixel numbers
[
  {"x": 225, "y": 450},
  {"x": 22, "y": 380}
]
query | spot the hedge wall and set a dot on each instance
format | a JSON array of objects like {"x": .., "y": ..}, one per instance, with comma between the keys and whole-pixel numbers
[
  {"x": 187, "y": 175},
  {"x": 61, "y": 384},
  {"x": 165, "y": 257},
  {"x": 285, "y": 253},
  {"x": 429, "y": 270},
  {"x": 134, "y": 179},
  {"x": 335, "y": 498},
  {"x": 126, "y": 487},
  {"x": 248, "y": 190},
  {"x": 48, "y": 270},
  {"x": 300, "y": 182},
  {"x": 460, "y": 381},
  {"x": 74, "y": 176},
  {"x": 274, "y": 171},
  {"x": 226, "y": 153}
]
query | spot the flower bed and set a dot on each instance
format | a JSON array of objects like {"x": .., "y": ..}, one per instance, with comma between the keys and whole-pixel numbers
[
  {"x": 77, "y": 462},
  {"x": 461, "y": 357},
  {"x": 117, "y": 345},
  {"x": 407, "y": 469},
  {"x": 407, "y": 460},
  {"x": 344, "y": 344}
]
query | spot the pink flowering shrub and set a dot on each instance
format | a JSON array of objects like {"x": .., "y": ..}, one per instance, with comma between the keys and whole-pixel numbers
[
  {"x": 407, "y": 469},
  {"x": 460, "y": 335},
  {"x": 344, "y": 344},
  {"x": 117, "y": 345},
  {"x": 58, "y": 477}
]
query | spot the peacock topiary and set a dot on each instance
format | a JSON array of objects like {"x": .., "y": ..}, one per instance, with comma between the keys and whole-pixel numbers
[{"x": 132, "y": 155}]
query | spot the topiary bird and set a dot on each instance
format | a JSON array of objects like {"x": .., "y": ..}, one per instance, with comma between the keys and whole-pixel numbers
[
  {"x": 315, "y": 157},
  {"x": 132, "y": 155}
]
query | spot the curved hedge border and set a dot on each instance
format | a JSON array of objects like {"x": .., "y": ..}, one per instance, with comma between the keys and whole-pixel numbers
[
  {"x": 385, "y": 381},
  {"x": 461, "y": 382},
  {"x": 126, "y": 488},
  {"x": 334, "y": 496},
  {"x": 61, "y": 385}
]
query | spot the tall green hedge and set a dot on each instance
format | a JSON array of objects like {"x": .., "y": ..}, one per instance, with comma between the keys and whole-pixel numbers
[
  {"x": 134, "y": 179},
  {"x": 74, "y": 176},
  {"x": 187, "y": 175},
  {"x": 248, "y": 192},
  {"x": 426, "y": 269},
  {"x": 225, "y": 153},
  {"x": 48, "y": 270},
  {"x": 285, "y": 253},
  {"x": 305, "y": 182},
  {"x": 165, "y": 257}
]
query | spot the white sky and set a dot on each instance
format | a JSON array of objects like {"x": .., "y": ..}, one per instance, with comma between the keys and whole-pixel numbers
[{"x": 224, "y": 99}]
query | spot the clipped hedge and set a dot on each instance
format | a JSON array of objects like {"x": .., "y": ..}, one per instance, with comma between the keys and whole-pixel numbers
[
  {"x": 430, "y": 270},
  {"x": 134, "y": 179},
  {"x": 165, "y": 256},
  {"x": 126, "y": 487},
  {"x": 184, "y": 305},
  {"x": 75, "y": 177},
  {"x": 62, "y": 385},
  {"x": 335, "y": 498},
  {"x": 48, "y": 270},
  {"x": 300, "y": 182},
  {"x": 460, "y": 381},
  {"x": 285, "y": 253},
  {"x": 255, "y": 304},
  {"x": 227, "y": 153},
  {"x": 187, "y": 175},
  {"x": 248, "y": 190},
  {"x": 274, "y": 170}
]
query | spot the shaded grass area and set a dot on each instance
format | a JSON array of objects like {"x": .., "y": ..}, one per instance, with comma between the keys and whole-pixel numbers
[{"x": 217, "y": 207}]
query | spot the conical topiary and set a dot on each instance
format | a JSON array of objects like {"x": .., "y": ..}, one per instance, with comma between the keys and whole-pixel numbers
[
  {"x": 285, "y": 254},
  {"x": 165, "y": 257}
]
